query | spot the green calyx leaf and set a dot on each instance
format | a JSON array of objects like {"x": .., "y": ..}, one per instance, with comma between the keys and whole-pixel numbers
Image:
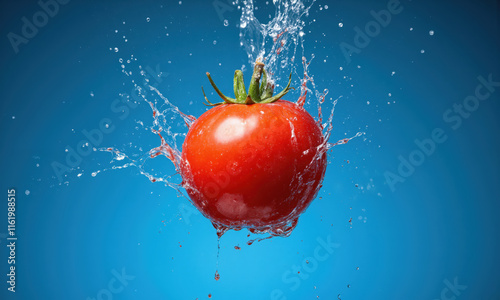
[
  {"x": 260, "y": 90},
  {"x": 240, "y": 93}
]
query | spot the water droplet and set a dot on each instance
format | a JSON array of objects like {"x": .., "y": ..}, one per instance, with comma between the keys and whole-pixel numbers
[
  {"x": 27, "y": 192},
  {"x": 148, "y": 19},
  {"x": 422, "y": 51},
  {"x": 411, "y": 28},
  {"x": 431, "y": 32},
  {"x": 326, "y": 6},
  {"x": 116, "y": 49},
  {"x": 91, "y": 94},
  {"x": 226, "y": 23},
  {"x": 341, "y": 25},
  {"x": 215, "y": 42},
  {"x": 243, "y": 24}
]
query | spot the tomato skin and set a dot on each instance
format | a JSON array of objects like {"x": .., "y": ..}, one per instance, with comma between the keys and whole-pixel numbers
[{"x": 253, "y": 165}]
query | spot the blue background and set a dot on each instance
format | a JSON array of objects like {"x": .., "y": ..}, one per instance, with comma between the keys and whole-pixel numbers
[{"x": 439, "y": 225}]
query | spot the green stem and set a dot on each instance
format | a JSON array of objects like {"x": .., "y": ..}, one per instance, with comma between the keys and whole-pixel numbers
[{"x": 258, "y": 92}]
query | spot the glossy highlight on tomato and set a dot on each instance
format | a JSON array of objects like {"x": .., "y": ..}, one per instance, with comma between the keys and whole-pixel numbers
[{"x": 254, "y": 165}]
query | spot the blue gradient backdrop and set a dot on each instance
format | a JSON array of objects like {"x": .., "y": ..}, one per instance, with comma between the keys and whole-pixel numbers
[{"x": 119, "y": 236}]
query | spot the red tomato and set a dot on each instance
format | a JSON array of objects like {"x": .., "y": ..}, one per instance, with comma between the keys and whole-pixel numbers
[
  {"x": 256, "y": 165},
  {"x": 253, "y": 165}
]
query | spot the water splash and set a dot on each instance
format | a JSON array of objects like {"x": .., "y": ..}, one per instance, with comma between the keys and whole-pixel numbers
[
  {"x": 168, "y": 123},
  {"x": 276, "y": 41}
]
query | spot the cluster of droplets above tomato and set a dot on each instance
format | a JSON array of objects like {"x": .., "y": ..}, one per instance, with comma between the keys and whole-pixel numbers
[{"x": 275, "y": 42}]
